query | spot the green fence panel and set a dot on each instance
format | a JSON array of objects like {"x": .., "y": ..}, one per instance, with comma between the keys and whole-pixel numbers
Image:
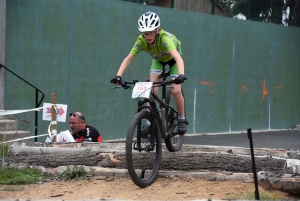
[{"x": 241, "y": 74}]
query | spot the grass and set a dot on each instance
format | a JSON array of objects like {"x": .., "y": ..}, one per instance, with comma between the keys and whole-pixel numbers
[
  {"x": 267, "y": 195},
  {"x": 32, "y": 175},
  {"x": 25, "y": 175},
  {"x": 73, "y": 173},
  {"x": 3, "y": 150}
]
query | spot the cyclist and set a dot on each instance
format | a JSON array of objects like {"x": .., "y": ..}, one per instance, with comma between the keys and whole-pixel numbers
[{"x": 165, "y": 49}]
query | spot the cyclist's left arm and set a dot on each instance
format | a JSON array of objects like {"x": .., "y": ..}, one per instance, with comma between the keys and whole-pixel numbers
[
  {"x": 177, "y": 57},
  {"x": 171, "y": 43}
]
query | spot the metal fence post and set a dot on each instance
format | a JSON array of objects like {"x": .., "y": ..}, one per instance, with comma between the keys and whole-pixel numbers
[
  {"x": 213, "y": 7},
  {"x": 280, "y": 12},
  {"x": 256, "y": 193},
  {"x": 249, "y": 6}
]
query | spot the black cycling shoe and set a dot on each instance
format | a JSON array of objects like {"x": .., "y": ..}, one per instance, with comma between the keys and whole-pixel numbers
[
  {"x": 182, "y": 126},
  {"x": 146, "y": 130}
]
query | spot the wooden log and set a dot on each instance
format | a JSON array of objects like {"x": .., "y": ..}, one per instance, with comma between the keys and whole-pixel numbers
[
  {"x": 45, "y": 148},
  {"x": 188, "y": 151},
  {"x": 170, "y": 161},
  {"x": 293, "y": 164},
  {"x": 289, "y": 183},
  {"x": 189, "y": 158},
  {"x": 24, "y": 149},
  {"x": 218, "y": 161},
  {"x": 282, "y": 153}
]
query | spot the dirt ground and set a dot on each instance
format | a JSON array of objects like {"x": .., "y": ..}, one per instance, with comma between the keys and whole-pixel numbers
[{"x": 124, "y": 189}]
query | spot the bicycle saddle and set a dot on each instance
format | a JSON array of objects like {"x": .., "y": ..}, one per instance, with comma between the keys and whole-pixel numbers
[{"x": 164, "y": 74}]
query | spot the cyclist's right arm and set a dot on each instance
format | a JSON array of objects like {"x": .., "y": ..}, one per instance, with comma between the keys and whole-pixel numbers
[
  {"x": 125, "y": 64},
  {"x": 139, "y": 45}
]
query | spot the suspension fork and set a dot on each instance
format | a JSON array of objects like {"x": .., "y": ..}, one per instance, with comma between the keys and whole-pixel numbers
[
  {"x": 142, "y": 104},
  {"x": 155, "y": 121}
]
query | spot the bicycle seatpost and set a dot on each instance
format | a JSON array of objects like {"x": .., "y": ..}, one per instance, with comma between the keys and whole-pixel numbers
[{"x": 165, "y": 73}]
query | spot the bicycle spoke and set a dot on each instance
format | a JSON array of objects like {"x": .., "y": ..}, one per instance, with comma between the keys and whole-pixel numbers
[{"x": 142, "y": 156}]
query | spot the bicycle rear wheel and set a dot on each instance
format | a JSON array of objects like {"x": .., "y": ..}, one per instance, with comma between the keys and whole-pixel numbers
[
  {"x": 143, "y": 156},
  {"x": 173, "y": 142}
]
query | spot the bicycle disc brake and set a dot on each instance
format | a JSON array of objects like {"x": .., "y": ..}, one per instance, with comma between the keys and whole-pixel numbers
[{"x": 144, "y": 145}]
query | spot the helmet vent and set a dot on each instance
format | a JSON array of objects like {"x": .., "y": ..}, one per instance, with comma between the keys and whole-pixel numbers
[{"x": 149, "y": 21}]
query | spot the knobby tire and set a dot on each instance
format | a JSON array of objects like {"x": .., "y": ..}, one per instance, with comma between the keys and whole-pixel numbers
[
  {"x": 173, "y": 143},
  {"x": 143, "y": 165}
]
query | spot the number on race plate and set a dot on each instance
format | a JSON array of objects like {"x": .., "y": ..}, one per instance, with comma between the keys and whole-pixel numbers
[{"x": 142, "y": 89}]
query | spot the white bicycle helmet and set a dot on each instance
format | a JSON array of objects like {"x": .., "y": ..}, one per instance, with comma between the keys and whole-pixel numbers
[{"x": 149, "y": 21}]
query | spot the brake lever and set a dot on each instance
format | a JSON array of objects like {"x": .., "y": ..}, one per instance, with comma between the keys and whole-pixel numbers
[
  {"x": 115, "y": 87},
  {"x": 122, "y": 86},
  {"x": 126, "y": 87}
]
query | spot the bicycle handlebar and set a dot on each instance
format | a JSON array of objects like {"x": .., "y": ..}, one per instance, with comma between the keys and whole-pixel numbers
[{"x": 125, "y": 84}]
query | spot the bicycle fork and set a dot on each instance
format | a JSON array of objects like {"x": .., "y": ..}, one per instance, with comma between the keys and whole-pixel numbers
[
  {"x": 149, "y": 142},
  {"x": 143, "y": 141}
]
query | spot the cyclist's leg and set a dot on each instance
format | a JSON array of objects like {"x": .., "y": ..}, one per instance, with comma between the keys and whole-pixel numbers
[
  {"x": 176, "y": 92},
  {"x": 155, "y": 70},
  {"x": 179, "y": 101}
]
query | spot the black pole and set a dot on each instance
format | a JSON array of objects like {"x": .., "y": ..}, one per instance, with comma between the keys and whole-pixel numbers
[
  {"x": 249, "y": 6},
  {"x": 36, "y": 115},
  {"x": 280, "y": 12},
  {"x": 213, "y": 7},
  {"x": 172, "y": 4},
  {"x": 37, "y": 103},
  {"x": 253, "y": 164}
]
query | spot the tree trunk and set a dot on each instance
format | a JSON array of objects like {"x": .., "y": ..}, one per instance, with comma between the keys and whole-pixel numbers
[{"x": 183, "y": 160}]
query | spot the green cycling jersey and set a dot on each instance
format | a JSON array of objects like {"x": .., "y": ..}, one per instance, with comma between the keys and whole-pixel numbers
[{"x": 166, "y": 42}]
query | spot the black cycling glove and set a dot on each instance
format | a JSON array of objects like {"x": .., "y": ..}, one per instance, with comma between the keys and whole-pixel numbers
[
  {"x": 179, "y": 79},
  {"x": 116, "y": 80}
]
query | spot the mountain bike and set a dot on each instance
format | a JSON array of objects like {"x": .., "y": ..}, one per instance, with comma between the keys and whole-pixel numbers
[{"x": 144, "y": 148}]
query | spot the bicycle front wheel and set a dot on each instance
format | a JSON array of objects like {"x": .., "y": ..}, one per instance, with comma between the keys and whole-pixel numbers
[
  {"x": 173, "y": 142},
  {"x": 143, "y": 153}
]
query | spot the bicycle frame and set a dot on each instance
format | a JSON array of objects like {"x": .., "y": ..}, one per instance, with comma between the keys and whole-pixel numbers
[
  {"x": 154, "y": 110},
  {"x": 151, "y": 103}
]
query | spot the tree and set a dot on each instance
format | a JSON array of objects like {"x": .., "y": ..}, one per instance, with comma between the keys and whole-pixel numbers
[
  {"x": 293, "y": 18},
  {"x": 268, "y": 11}
]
